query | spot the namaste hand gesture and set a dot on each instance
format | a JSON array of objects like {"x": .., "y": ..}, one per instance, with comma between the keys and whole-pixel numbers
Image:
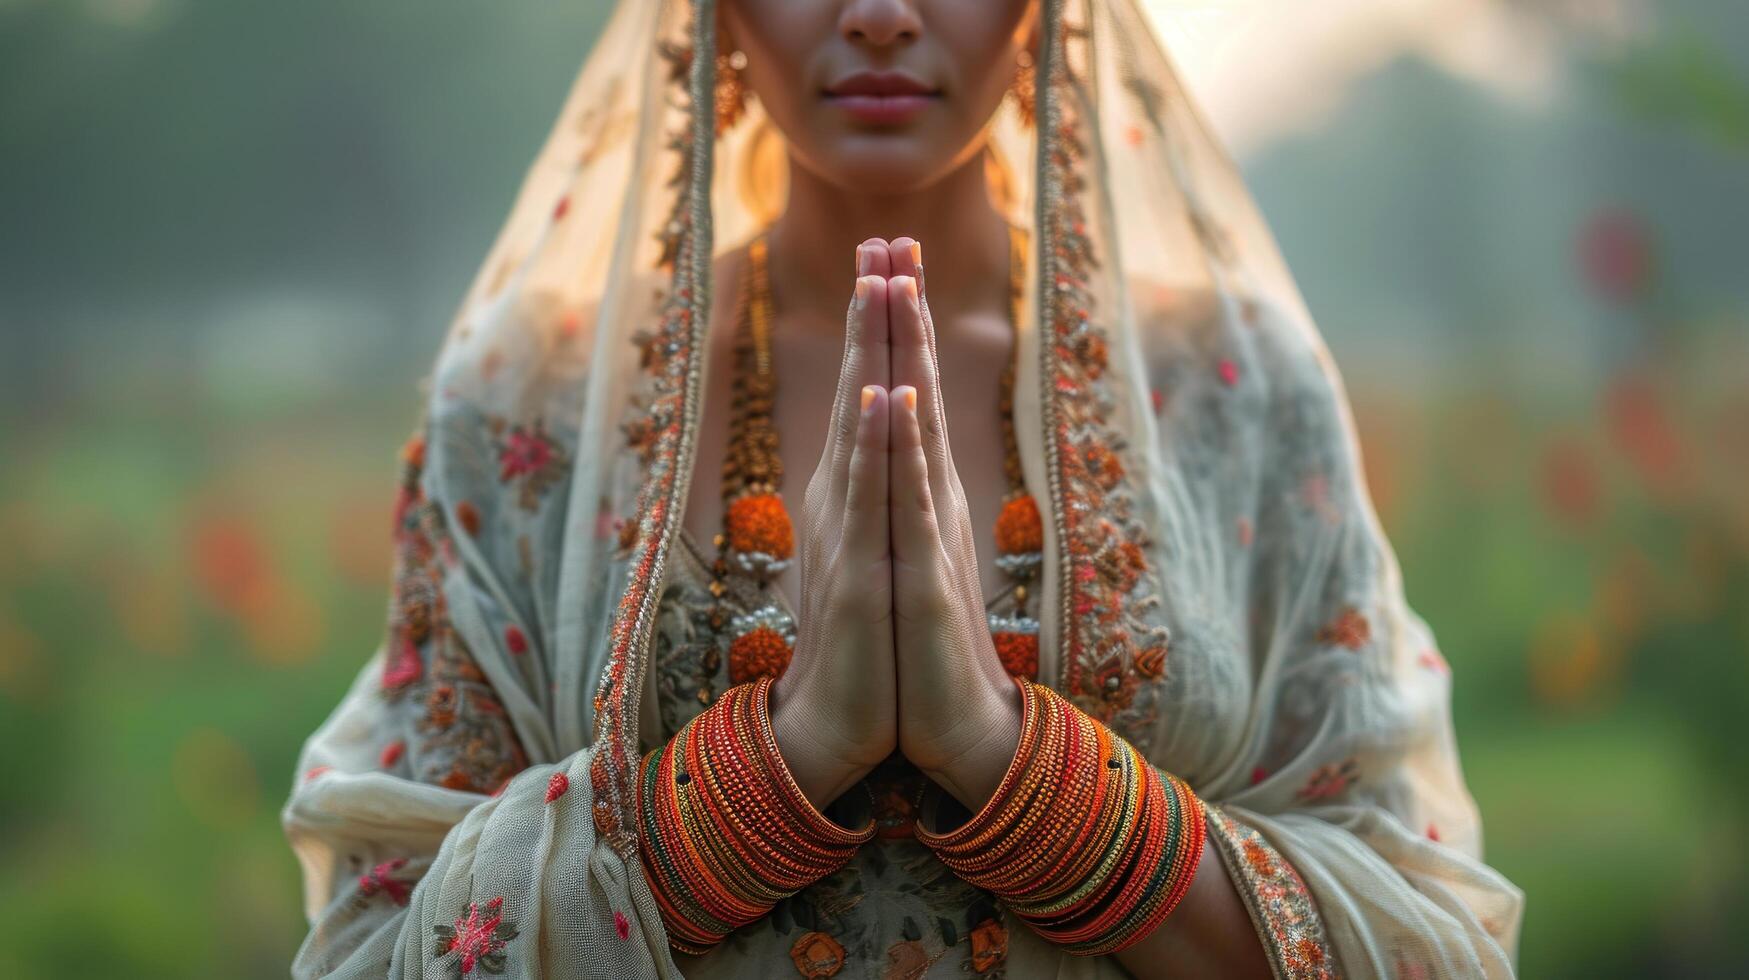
[{"x": 893, "y": 645}]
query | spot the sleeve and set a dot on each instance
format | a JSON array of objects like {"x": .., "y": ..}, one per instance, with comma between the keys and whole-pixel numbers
[
  {"x": 429, "y": 845},
  {"x": 1356, "y": 844}
]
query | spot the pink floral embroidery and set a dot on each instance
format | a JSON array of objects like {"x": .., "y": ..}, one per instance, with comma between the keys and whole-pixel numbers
[
  {"x": 1431, "y": 659},
  {"x": 392, "y": 753},
  {"x": 622, "y": 925},
  {"x": 1229, "y": 372},
  {"x": 1246, "y": 532},
  {"x": 379, "y": 881},
  {"x": 1349, "y": 629},
  {"x": 405, "y": 668},
  {"x": 480, "y": 941},
  {"x": 515, "y": 640},
  {"x": 557, "y": 785},
  {"x": 531, "y": 457},
  {"x": 1258, "y": 775},
  {"x": 524, "y": 452},
  {"x": 1329, "y": 781},
  {"x": 1315, "y": 492},
  {"x": 1433, "y": 833},
  {"x": 562, "y": 208},
  {"x": 317, "y": 771}
]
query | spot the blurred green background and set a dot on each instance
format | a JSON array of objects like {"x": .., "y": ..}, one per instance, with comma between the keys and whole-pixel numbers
[{"x": 231, "y": 235}]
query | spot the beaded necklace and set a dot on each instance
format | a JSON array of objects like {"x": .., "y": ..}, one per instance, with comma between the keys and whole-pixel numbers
[{"x": 757, "y": 541}]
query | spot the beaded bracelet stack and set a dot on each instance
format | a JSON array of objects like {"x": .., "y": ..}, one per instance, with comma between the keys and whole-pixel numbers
[
  {"x": 727, "y": 832},
  {"x": 1083, "y": 840}
]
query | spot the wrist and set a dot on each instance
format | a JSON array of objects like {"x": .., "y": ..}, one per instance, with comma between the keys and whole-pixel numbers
[
  {"x": 971, "y": 774},
  {"x": 822, "y": 774}
]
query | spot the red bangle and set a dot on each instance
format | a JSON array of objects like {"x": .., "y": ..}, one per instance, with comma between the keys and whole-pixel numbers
[
  {"x": 727, "y": 832},
  {"x": 1084, "y": 840}
]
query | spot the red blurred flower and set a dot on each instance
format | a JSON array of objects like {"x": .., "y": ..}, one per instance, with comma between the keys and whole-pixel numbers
[{"x": 1615, "y": 254}]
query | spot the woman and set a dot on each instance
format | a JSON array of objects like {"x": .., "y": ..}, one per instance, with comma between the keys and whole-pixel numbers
[{"x": 1083, "y": 655}]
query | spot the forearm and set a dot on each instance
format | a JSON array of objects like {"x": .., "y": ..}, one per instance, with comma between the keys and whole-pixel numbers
[
  {"x": 1209, "y": 932},
  {"x": 727, "y": 831},
  {"x": 822, "y": 771}
]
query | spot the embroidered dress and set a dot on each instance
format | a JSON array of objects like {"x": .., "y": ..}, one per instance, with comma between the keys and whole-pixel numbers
[{"x": 1211, "y": 580}]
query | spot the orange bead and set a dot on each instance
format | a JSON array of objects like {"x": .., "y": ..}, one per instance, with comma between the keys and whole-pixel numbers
[
  {"x": 1019, "y": 528},
  {"x": 757, "y": 653},
  {"x": 1018, "y": 652},
  {"x": 760, "y": 522}
]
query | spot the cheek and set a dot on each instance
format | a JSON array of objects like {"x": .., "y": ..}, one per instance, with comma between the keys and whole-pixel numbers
[
  {"x": 779, "y": 38},
  {"x": 983, "y": 40}
]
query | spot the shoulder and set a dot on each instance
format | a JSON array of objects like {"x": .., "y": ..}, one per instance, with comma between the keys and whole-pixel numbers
[{"x": 1241, "y": 340}]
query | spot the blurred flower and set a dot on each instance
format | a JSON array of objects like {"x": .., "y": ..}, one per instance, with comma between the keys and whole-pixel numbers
[
  {"x": 1568, "y": 661},
  {"x": 281, "y": 622},
  {"x": 1640, "y": 429},
  {"x": 1570, "y": 483},
  {"x": 1615, "y": 254},
  {"x": 230, "y": 561},
  {"x": 1623, "y": 596}
]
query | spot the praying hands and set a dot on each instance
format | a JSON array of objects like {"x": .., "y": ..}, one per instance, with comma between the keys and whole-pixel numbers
[{"x": 893, "y": 647}]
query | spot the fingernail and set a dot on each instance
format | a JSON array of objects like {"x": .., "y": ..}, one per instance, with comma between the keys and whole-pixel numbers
[
  {"x": 910, "y": 399},
  {"x": 861, "y": 293},
  {"x": 864, "y": 261},
  {"x": 868, "y": 397},
  {"x": 917, "y": 260}
]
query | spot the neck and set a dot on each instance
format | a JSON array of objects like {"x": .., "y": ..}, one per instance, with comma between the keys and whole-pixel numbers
[{"x": 964, "y": 239}]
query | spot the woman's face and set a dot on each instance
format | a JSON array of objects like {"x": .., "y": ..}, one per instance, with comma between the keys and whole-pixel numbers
[{"x": 880, "y": 95}]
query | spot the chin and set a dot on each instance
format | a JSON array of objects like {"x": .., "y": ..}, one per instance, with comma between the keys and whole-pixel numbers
[{"x": 881, "y": 163}]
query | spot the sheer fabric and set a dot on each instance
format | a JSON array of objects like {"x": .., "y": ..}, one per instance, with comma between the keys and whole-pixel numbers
[{"x": 1217, "y": 587}]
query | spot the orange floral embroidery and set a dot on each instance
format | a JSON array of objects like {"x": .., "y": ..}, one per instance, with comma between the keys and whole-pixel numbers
[
  {"x": 1019, "y": 529},
  {"x": 1103, "y": 464},
  {"x": 1258, "y": 857},
  {"x": 907, "y": 960},
  {"x": 1329, "y": 781},
  {"x": 759, "y": 522},
  {"x": 1306, "y": 954},
  {"x": 1092, "y": 350},
  {"x": 989, "y": 945},
  {"x": 1151, "y": 662},
  {"x": 1349, "y": 629},
  {"x": 756, "y": 653},
  {"x": 468, "y": 516},
  {"x": 816, "y": 954},
  {"x": 440, "y": 707}
]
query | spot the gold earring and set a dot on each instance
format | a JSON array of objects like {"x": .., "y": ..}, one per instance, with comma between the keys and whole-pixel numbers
[
  {"x": 1025, "y": 87},
  {"x": 731, "y": 91}
]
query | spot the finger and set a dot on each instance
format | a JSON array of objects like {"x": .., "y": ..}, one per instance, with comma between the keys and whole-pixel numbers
[
  {"x": 913, "y": 506},
  {"x": 905, "y": 254},
  {"x": 914, "y": 364},
  {"x": 865, "y": 359},
  {"x": 873, "y": 258},
  {"x": 865, "y": 496}
]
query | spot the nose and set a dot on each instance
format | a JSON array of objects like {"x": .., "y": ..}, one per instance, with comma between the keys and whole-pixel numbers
[{"x": 880, "y": 23}]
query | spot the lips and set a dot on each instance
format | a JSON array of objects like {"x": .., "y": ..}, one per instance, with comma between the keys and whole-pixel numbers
[{"x": 881, "y": 97}]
